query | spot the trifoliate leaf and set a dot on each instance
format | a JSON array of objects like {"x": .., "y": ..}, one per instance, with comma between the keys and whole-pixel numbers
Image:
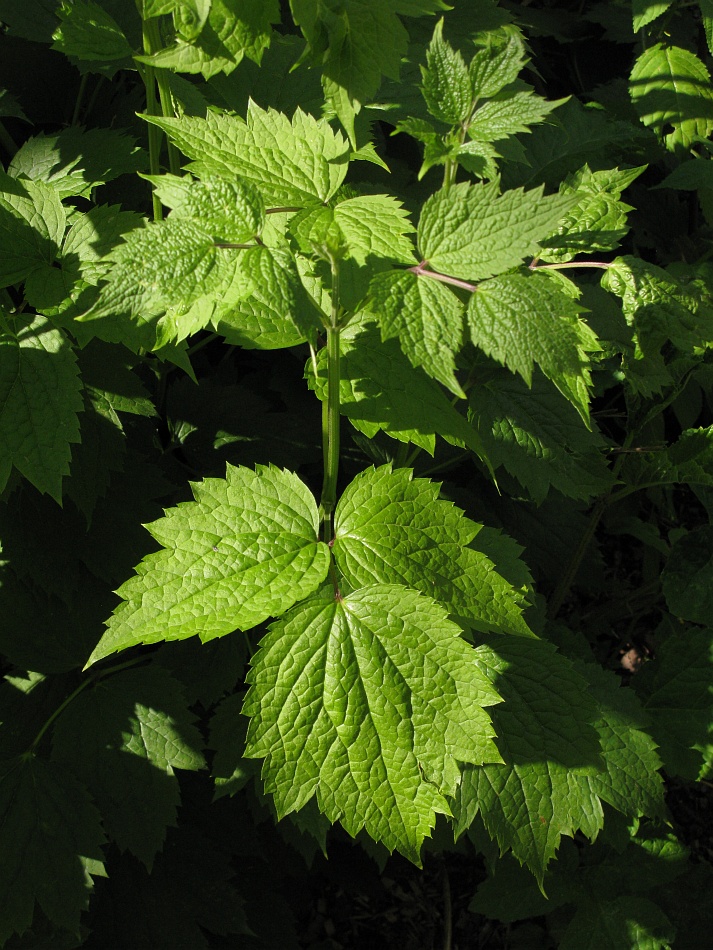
[
  {"x": 446, "y": 84},
  {"x": 426, "y": 316},
  {"x": 367, "y": 701},
  {"x": 217, "y": 39},
  {"x": 670, "y": 86},
  {"x": 298, "y": 162},
  {"x": 538, "y": 438},
  {"x": 32, "y": 223},
  {"x": 550, "y": 747},
  {"x": 523, "y": 319},
  {"x": 472, "y": 232},
  {"x": 379, "y": 389},
  {"x": 76, "y": 160},
  {"x": 244, "y": 550},
  {"x": 123, "y": 738},
  {"x": 50, "y": 845},
  {"x": 40, "y": 396},
  {"x": 392, "y": 529}
]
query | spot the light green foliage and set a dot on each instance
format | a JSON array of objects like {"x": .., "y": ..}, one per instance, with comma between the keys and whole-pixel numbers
[
  {"x": 40, "y": 396},
  {"x": 213, "y": 37},
  {"x": 390, "y": 528},
  {"x": 447, "y": 88},
  {"x": 598, "y": 221},
  {"x": 521, "y": 319},
  {"x": 368, "y": 701},
  {"x": 190, "y": 255},
  {"x": 245, "y": 550},
  {"x": 473, "y": 232},
  {"x": 133, "y": 730},
  {"x": 48, "y": 820},
  {"x": 371, "y": 226},
  {"x": 538, "y": 437},
  {"x": 670, "y": 86},
  {"x": 299, "y": 162},
  {"x": 496, "y": 64}
]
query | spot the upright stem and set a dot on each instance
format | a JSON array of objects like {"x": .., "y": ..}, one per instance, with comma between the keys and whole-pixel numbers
[
  {"x": 152, "y": 77},
  {"x": 330, "y": 410}
]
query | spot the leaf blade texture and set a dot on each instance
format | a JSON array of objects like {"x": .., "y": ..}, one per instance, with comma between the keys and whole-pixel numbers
[
  {"x": 520, "y": 319},
  {"x": 473, "y": 232},
  {"x": 298, "y": 162},
  {"x": 391, "y": 528},
  {"x": 244, "y": 550},
  {"x": 343, "y": 706}
]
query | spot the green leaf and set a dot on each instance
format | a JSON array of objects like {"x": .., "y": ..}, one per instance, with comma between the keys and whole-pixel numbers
[
  {"x": 630, "y": 780},
  {"x": 40, "y": 396},
  {"x": 301, "y": 162},
  {"x": 230, "y": 211},
  {"x": 508, "y": 114},
  {"x": 76, "y": 160},
  {"x": 549, "y": 747},
  {"x": 690, "y": 176},
  {"x": 392, "y": 529},
  {"x": 623, "y": 921},
  {"x": 521, "y": 319},
  {"x": 446, "y": 85},
  {"x": 646, "y": 11},
  {"x": 88, "y": 32},
  {"x": 496, "y": 64},
  {"x": 670, "y": 86},
  {"x": 426, "y": 316},
  {"x": 216, "y": 43},
  {"x": 375, "y": 226},
  {"x": 688, "y": 575},
  {"x": 244, "y": 550},
  {"x": 379, "y": 389},
  {"x": 354, "y": 42},
  {"x": 123, "y": 738},
  {"x": 538, "y": 438},
  {"x": 32, "y": 223},
  {"x": 598, "y": 221},
  {"x": 472, "y": 232},
  {"x": 675, "y": 690},
  {"x": 231, "y": 771},
  {"x": 50, "y": 845},
  {"x": 343, "y": 705}
]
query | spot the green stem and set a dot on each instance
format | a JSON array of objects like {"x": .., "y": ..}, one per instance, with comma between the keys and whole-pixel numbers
[
  {"x": 78, "y": 101},
  {"x": 153, "y": 77},
  {"x": 330, "y": 410}
]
